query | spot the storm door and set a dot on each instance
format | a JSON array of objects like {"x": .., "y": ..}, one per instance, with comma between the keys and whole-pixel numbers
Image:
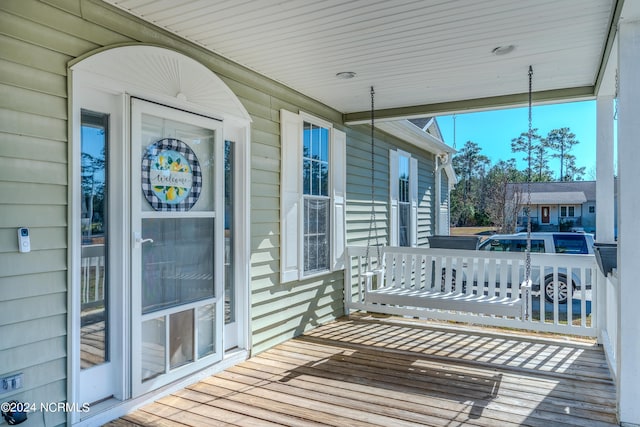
[{"x": 177, "y": 240}]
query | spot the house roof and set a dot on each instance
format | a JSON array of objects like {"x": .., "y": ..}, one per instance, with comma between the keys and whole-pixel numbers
[
  {"x": 412, "y": 134},
  {"x": 424, "y": 58},
  {"x": 558, "y": 192},
  {"x": 429, "y": 125},
  {"x": 558, "y": 197}
]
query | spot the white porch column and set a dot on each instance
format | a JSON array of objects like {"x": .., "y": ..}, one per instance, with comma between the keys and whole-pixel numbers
[
  {"x": 629, "y": 221},
  {"x": 438, "y": 200},
  {"x": 604, "y": 171}
]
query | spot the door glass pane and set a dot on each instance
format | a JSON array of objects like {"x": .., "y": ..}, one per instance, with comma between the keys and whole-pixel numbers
[
  {"x": 153, "y": 346},
  {"x": 229, "y": 288},
  {"x": 181, "y": 336},
  {"x": 199, "y": 140},
  {"x": 177, "y": 267},
  {"x": 94, "y": 321},
  {"x": 206, "y": 331}
]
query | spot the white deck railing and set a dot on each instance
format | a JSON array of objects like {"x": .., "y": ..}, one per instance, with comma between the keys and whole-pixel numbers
[
  {"x": 92, "y": 277},
  {"x": 577, "y": 317},
  {"x": 609, "y": 320}
]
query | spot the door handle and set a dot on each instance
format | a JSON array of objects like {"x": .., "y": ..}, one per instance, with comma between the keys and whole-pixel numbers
[{"x": 138, "y": 241}]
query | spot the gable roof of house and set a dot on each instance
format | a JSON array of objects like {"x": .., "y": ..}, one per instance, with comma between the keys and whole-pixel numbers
[
  {"x": 413, "y": 134},
  {"x": 429, "y": 125},
  {"x": 569, "y": 192}
]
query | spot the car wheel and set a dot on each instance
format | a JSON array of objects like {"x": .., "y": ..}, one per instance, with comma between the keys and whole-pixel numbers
[{"x": 564, "y": 289}]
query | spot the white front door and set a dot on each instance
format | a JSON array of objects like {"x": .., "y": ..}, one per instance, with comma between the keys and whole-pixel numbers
[{"x": 177, "y": 244}]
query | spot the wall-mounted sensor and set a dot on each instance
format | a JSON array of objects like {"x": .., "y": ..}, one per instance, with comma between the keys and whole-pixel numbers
[{"x": 24, "y": 241}]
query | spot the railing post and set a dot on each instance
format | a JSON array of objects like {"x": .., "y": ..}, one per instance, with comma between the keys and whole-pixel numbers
[{"x": 348, "y": 272}]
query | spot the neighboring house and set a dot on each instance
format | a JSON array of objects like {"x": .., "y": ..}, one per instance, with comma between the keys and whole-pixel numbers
[
  {"x": 184, "y": 211},
  {"x": 556, "y": 206}
]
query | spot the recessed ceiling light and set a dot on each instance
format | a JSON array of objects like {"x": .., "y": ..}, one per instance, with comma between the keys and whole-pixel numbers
[
  {"x": 345, "y": 75},
  {"x": 503, "y": 50}
]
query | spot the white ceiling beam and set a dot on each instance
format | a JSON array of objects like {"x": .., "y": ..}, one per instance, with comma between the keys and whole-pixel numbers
[{"x": 471, "y": 105}]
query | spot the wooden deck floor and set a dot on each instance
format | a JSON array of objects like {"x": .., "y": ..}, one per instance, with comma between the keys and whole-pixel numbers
[{"x": 377, "y": 372}]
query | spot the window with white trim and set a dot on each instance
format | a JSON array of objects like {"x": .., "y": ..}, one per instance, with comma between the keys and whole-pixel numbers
[
  {"x": 404, "y": 201},
  {"x": 312, "y": 198},
  {"x": 567, "y": 211},
  {"x": 403, "y": 195}
]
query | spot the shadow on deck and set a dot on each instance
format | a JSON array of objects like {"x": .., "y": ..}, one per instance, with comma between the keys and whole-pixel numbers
[{"x": 365, "y": 371}]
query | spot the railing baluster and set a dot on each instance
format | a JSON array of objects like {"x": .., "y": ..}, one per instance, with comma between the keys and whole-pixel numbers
[
  {"x": 583, "y": 299},
  {"x": 482, "y": 268},
  {"x": 491, "y": 290}
]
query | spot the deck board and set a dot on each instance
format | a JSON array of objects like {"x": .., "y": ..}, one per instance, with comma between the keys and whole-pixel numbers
[{"x": 371, "y": 372}]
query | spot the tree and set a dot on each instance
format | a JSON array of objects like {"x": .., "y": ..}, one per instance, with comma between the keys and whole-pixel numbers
[
  {"x": 541, "y": 170},
  {"x": 562, "y": 140},
  {"x": 535, "y": 154},
  {"x": 470, "y": 166},
  {"x": 502, "y": 207},
  {"x": 469, "y": 163},
  {"x": 573, "y": 172}
]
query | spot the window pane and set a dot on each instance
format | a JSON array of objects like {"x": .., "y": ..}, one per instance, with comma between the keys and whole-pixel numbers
[
  {"x": 570, "y": 244},
  {"x": 306, "y": 176},
  {"x": 403, "y": 179},
  {"x": 405, "y": 224},
  {"x": 315, "y": 163},
  {"x": 198, "y": 139},
  {"x": 315, "y": 184},
  {"x": 177, "y": 267},
  {"x": 315, "y": 142},
  {"x": 229, "y": 283},
  {"x": 206, "y": 330},
  {"x": 403, "y": 167},
  {"x": 153, "y": 344},
  {"x": 316, "y": 235},
  {"x": 181, "y": 338},
  {"x": 563, "y": 211},
  {"x": 94, "y": 279},
  {"x": 520, "y": 245},
  {"x": 572, "y": 210},
  {"x": 324, "y": 179},
  {"x": 324, "y": 144},
  {"x": 306, "y": 140}
]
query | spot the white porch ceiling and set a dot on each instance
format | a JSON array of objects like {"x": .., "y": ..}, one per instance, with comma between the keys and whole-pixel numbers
[{"x": 422, "y": 56}]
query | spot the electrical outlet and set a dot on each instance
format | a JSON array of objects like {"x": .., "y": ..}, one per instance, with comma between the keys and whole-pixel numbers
[{"x": 11, "y": 383}]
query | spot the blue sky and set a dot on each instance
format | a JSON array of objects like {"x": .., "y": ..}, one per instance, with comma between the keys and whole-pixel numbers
[{"x": 494, "y": 130}]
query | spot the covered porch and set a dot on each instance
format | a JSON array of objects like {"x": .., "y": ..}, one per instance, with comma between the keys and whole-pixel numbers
[
  {"x": 609, "y": 72},
  {"x": 379, "y": 370}
]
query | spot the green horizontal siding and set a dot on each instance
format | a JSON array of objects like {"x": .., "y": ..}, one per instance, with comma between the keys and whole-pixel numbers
[
  {"x": 359, "y": 186},
  {"x": 38, "y": 39}
]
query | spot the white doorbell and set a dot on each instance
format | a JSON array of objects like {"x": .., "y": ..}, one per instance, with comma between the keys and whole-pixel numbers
[{"x": 24, "y": 242}]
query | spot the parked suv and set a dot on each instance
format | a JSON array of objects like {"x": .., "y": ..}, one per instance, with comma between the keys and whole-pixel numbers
[{"x": 558, "y": 243}]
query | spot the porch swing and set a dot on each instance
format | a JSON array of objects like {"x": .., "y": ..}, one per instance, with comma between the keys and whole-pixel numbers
[{"x": 410, "y": 281}]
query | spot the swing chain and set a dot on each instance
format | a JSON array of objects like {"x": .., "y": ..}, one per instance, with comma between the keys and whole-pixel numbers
[
  {"x": 529, "y": 134},
  {"x": 372, "y": 225}
]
